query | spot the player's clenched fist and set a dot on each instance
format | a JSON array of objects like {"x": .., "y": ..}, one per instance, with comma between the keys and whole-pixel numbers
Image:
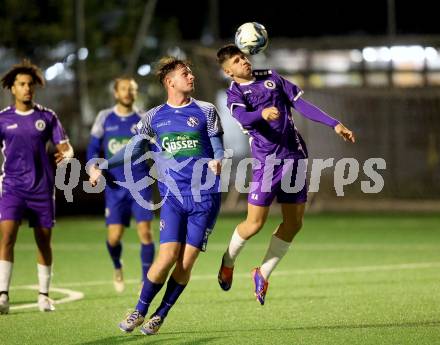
[
  {"x": 94, "y": 174},
  {"x": 215, "y": 166},
  {"x": 270, "y": 114},
  {"x": 344, "y": 132}
]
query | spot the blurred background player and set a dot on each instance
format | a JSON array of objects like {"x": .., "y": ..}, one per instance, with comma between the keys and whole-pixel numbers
[
  {"x": 261, "y": 102},
  {"x": 188, "y": 131},
  {"x": 111, "y": 131},
  {"x": 27, "y": 181}
]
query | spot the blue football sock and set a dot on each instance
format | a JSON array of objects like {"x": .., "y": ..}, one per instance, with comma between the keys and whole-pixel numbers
[
  {"x": 147, "y": 257},
  {"x": 170, "y": 297},
  {"x": 115, "y": 254},
  {"x": 149, "y": 291}
]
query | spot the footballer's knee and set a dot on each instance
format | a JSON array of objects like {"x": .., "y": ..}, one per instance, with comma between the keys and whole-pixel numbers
[
  {"x": 145, "y": 233},
  {"x": 8, "y": 241},
  {"x": 114, "y": 238},
  {"x": 252, "y": 227},
  {"x": 168, "y": 257},
  {"x": 146, "y": 238},
  {"x": 182, "y": 272},
  {"x": 42, "y": 237},
  {"x": 8, "y": 238},
  {"x": 43, "y": 243},
  {"x": 287, "y": 231}
]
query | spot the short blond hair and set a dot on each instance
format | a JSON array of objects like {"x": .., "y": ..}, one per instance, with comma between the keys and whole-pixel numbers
[
  {"x": 169, "y": 64},
  {"x": 121, "y": 78}
]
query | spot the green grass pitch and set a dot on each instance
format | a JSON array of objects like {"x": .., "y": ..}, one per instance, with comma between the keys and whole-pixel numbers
[{"x": 348, "y": 279}]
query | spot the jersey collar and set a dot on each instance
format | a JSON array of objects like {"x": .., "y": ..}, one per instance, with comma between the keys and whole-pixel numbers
[
  {"x": 24, "y": 113},
  {"x": 247, "y": 83},
  {"x": 122, "y": 115},
  {"x": 181, "y": 106}
]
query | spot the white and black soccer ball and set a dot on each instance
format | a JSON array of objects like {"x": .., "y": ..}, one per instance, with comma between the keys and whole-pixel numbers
[{"x": 251, "y": 38}]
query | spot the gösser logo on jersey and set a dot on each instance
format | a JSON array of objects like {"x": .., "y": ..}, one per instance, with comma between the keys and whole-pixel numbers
[
  {"x": 181, "y": 143},
  {"x": 40, "y": 125},
  {"x": 115, "y": 144},
  {"x": 269, "y": 84}
]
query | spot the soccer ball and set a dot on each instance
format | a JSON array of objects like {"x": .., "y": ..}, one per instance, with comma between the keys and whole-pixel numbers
[{"x": 251, "y": 38}]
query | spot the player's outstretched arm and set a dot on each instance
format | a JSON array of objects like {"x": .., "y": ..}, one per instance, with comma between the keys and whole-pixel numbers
[
  {"x": 312, "y": 112},
  {"x": 344, "y": 133},
  {"x": 119, "y": 158},
  {"x": 64, "y": 151}
]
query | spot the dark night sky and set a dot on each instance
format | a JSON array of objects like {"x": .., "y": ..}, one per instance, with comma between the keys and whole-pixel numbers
[{"x": 305, "y": 18}]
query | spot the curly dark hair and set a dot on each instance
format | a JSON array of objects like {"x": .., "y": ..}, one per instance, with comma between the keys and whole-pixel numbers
[
  {"x": 226, "y": 52},
  {"x": 25, "y": 67},
  {"x": 168, "y": 64}
]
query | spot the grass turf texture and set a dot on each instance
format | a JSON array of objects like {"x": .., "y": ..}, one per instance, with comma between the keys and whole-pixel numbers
[{"x": 348, "y": 279}]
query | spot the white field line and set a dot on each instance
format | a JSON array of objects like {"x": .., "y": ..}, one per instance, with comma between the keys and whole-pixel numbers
[
  {"x": 71, "y": 296},
  {"x": 78, "y": 247},
  {"x": 312, "y": 271}
]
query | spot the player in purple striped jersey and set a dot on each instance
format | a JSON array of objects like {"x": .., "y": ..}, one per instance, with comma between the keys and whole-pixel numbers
[
  {"x": 27, "y": 181},
  {"x": 261, "y": 102}
]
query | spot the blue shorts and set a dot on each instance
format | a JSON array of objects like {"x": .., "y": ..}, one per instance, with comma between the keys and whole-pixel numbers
[
  {"x": 120, "y": 205},
  {"x": 189, "y": 222}
]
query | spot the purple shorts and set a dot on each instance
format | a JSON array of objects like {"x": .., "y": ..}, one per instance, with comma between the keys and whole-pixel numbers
[
  {"x": 286, "y": 182},
  {"x": 40, "y": 210}
]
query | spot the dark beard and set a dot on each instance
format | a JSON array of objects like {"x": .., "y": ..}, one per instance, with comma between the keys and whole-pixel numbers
[{"x": 128, "y": 105}]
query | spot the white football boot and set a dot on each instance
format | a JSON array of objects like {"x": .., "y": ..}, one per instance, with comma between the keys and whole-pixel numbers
[
  {"x": 133, "y": 320},
  {"x": 152, "y": 326},
  {"x": 45, "y": 303},
  {"x": 118, "y": 280}
]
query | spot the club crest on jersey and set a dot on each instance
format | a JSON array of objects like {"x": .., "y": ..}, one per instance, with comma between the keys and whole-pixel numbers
[
  {"x": 133, "y": 128},
  {"x": 269, "y": 84},
  {"x": 40, "y": 125},
  {"x": 192, "y": 121},
  {"x": 161, "y": 225}
]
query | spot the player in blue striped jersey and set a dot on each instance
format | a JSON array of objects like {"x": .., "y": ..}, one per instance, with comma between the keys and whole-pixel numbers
[
  {"x": 111, "y": 131},
  {"x": 185, "y": 135}
]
